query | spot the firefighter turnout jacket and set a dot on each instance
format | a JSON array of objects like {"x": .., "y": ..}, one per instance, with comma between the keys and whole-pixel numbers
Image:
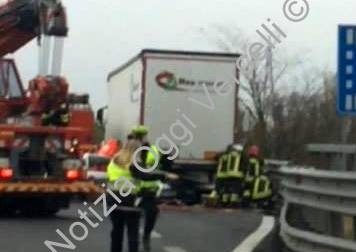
[{"x": 230, "y": 165}]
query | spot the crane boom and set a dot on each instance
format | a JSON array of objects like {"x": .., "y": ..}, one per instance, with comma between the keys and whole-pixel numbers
[
  {"x": 20, "y": 22},
  {"x": 23, "y": 20}
]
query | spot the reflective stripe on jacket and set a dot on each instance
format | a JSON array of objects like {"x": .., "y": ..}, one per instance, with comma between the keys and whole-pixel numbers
[
  {"x": 261, "y": 188},
  {"x": 230, "y": 166}
]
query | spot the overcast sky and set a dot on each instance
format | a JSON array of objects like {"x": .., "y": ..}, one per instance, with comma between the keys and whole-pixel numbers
[{"x": 106, "y": 33}]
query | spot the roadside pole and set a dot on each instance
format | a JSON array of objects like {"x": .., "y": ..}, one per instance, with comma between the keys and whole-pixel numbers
[
  {"x": 346, "y": 107},
  {"x": 345, "y": 133},
  {"x": 237, "y": 113}
]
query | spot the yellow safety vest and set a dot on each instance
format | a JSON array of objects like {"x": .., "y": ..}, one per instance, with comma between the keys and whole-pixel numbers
[
  {"x": 150, "y": 159},
  {"x": 149, "y": 162},
  {"x": 261, "y": 188},
  {"x": 229, "y": 166},
  {"x": 114, "y": 172}
]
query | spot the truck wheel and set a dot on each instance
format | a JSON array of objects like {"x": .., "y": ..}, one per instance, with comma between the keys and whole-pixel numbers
[
  {"x": 191, "y": 197},
  {"x": 6, "y": 212},
  {"x": 29, "y": 212}
]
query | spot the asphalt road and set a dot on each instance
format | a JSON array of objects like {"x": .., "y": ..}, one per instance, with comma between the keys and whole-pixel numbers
[{"x": 179, "y": 230}]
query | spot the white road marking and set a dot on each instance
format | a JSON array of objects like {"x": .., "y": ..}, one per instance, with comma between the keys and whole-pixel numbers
[
  {"x": 252, "y": 241},
  {"x": 173, "y": 249}
]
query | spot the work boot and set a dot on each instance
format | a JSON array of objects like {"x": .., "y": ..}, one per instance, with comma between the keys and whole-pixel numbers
[
  {"x": 234, "y": 198},
  {"x": 225, "y": 199},
  {"x": 146, "y": 245}
]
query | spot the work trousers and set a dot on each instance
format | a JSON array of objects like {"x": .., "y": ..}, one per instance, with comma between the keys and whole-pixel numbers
[
  {"x": 130, "y": 219},
  {"x": 230, "y": 190},
  {"x": 149, "y": 205}
]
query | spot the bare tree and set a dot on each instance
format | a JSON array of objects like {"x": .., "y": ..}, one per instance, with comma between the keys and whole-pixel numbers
[{"x": 261, "y": 74}]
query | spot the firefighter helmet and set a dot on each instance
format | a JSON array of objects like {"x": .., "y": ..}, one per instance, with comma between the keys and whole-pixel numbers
[{"x": 254, "y": 151}]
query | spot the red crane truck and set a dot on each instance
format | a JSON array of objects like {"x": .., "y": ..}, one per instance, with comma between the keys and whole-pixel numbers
[{"x": 40, "y": 167}]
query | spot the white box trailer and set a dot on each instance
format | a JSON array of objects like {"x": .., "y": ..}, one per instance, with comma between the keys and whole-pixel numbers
[{"x": 187, "y": 100}]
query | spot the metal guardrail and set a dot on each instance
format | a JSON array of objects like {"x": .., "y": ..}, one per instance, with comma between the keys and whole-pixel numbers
[
  {"x": 323, "y": 190},
  {"x": 276, "y": 162},
  {"x": 305, "y": 241},
  {"x": 332, "y": 148}
]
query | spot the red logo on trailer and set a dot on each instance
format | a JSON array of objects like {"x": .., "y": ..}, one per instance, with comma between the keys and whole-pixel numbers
[{"x": 167, "y": 80}]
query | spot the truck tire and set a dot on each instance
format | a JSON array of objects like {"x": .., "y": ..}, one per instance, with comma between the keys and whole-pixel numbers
[{"x": 191, "y": 197}]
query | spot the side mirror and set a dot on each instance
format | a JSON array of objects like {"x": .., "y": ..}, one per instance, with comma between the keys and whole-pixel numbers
[{"x": 100, "y": 115}]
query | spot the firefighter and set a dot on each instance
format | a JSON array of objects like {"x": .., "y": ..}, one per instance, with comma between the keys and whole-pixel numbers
[
  {"x": 257, "y": 185},
  {"x": 149, "y": 189},
  {"x": 256, "y": 162},
  {"x": 254, "y": 167},
  {"x": 253, "y": 171},
  {"x": 57, "y": 117},
  {"x": 230, "y": 174}
]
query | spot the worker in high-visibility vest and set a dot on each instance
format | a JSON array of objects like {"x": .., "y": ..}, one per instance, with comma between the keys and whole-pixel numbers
[
  {"x": 230, "y": 175},
  {"x": 257, "y": 186},
  {"x": 149, "y": 189},
  {"x": 127, "y": 214},
  {"x": 256, "y": 162},
  {"x": 253, "y": 171}
]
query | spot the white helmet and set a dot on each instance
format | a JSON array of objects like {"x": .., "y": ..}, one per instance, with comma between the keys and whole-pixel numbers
[{"x": 236, "y": 147}]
